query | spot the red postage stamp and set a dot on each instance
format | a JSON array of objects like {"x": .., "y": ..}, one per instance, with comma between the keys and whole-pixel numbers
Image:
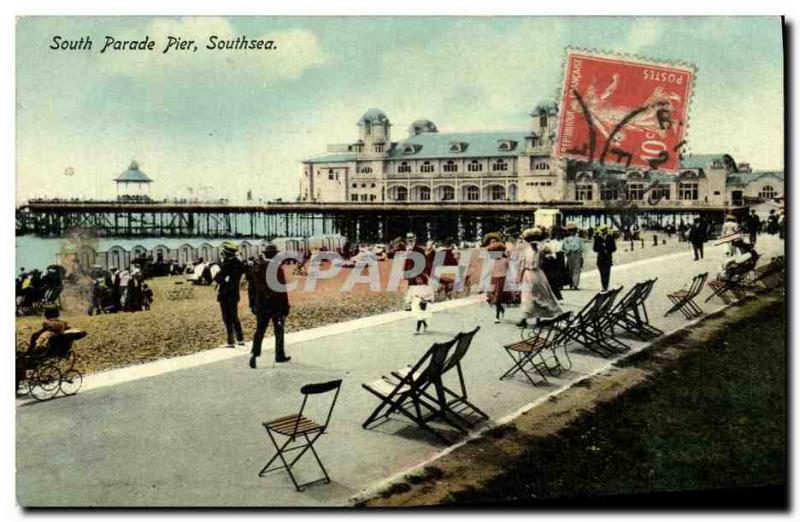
[{"x": 623, "y": 111}]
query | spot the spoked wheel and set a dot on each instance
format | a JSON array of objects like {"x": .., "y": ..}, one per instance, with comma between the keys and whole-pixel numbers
[
  {"x": 71, "y": 382},
  {"x": 44, "y": 382}
]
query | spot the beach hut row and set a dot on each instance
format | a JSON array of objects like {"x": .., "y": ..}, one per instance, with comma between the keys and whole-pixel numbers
[{"x": 120, "y": 257}]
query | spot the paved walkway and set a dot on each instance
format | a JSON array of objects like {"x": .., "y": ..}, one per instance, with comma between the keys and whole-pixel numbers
[{"x": 187, "y": 432}]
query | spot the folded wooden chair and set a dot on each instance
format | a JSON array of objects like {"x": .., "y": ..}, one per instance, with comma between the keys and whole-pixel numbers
[
  {"x": 457, "y": 404},
  {"x": 409, "y": 394},
  {"x": 536, "y": 351},
  {"x": 293, "y": 427},
  {"x": 683, "y": 300}
]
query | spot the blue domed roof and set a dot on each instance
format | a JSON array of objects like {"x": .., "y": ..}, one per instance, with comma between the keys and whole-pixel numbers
[
  {"x": 374, "y": 117},
  {"x": 420, "y": 126},
  {"x": 133, "y": 174}
]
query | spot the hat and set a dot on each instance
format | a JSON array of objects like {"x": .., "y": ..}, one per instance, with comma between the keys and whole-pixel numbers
[
  {"x": 532, "y": 233},
  {"x": 229, "y": 247},
  {"x": 730, "y": 216},
  {"x": 572, "y": 226},
  {"x": 411, "y": 235},
  {"x": 270, "y": 250},
  {"x": 492, "y": 235}
]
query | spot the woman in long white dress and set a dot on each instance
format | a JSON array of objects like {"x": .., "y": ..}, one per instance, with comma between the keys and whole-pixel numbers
[{"x": 538, "y": 299}]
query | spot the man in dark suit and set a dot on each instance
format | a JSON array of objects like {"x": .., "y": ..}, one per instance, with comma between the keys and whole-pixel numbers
[
  {"x": 753, "y": 226},
  {"x": 268, "y": 302},
  {"x": 605, "y": 246},
  {"x": 697, "y": 236},
  {"x": 227, "y": 279}
]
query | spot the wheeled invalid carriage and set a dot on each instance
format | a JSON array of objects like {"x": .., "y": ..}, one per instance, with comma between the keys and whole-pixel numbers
[{"x": 44, "y": 372}]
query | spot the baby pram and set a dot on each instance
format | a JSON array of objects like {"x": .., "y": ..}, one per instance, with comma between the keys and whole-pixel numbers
[{"x": 50, "y": 369}]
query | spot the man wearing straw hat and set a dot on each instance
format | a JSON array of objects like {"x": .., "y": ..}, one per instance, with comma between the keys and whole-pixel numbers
[
  {"x": 227, "y": 280},
  {"x": 605, "y": 246}
]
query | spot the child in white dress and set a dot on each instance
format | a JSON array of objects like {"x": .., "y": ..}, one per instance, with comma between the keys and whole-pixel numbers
[{"x": 420, "y": 296}]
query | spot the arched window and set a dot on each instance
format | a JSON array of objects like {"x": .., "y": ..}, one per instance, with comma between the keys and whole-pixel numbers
[
  {"x": 496, "y": 193},
  {"x": 767, "y": 192},
  {"x": 450, "y": 166},
  {"x": 401, "y": 194},
  {"x": 474, "y": 166},
  {"x": 366, "y": 170},
  {"x": 424, "y": 193},
  {"x": 426, "y": 167},
  {"x": 404, "y": 167},
  {"x": 472, "y": 193},
  {"x": 447, "y": 193}
]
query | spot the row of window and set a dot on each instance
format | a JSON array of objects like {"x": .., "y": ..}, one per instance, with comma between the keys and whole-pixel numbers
[
  {"x": 451, "y": 166},
  {"x": 539, "y": 183},
  {"x": 363, "y": 185},
  {"x": 471, "y": 193},
  {"x": 767, "y": 192},
  {"x": 363, "y": 197},
  {"x": 686, "y": 191}
]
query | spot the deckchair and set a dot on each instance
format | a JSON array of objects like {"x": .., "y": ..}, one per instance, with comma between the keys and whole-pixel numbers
[
  {"x": 457, "y": 404},
  {"x": 587, "y": 328},
  {"x": 630, "y": 313},
  {"x": 733, "y": 285},
  {"x": 408, "y": 394},
  {"x": 536, "y": 351},
  {"x": 292, "y": 427},
  {"x": 683, "y": 300},
  {"x": 769, "y": 275}
]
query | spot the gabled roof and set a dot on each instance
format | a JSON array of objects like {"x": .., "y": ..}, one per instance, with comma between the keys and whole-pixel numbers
[{"x": 133, "y": 174}]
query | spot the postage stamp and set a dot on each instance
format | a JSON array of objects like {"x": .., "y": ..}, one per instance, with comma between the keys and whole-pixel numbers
[{"x": 624, "y": 111}]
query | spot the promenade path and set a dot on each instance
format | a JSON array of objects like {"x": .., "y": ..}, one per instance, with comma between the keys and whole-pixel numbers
[{"x": 187, "y": 431}]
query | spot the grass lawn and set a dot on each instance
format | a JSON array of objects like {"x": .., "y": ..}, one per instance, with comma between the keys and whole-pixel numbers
[{"x": 714, "y": 418}]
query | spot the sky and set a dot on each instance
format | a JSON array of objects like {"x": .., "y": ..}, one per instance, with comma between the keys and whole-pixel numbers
[{"x": 215, "y": 124}]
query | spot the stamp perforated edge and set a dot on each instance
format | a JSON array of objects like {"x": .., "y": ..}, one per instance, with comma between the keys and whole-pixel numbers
[{"x": 623, "y": 55}]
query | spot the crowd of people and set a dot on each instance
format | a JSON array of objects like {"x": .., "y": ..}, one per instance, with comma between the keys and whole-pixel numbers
[{"x": 117, "y": 290}]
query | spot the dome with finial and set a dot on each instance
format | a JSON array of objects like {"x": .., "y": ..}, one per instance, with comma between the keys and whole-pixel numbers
[
  {"x": 420, "y": 126},
  {"x": 133, "y": 174},
  {"x": 374, "y": 117}
]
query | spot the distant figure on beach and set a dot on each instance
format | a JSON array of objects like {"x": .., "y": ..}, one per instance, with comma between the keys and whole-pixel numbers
[
  {"x": 604, "y": 246},
  {"x": 227, "y": 279},
  {"x": 268, "y": 303}
]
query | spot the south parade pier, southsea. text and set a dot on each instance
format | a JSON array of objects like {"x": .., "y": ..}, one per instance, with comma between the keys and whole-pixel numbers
[{"x": 173, "y": 43}]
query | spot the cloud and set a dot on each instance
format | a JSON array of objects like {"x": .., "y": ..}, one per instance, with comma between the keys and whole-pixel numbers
[{"x": 296, "y": 51}]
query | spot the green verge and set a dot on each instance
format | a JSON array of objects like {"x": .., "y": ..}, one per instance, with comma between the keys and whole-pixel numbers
[{"x": 714, "y": 418}]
